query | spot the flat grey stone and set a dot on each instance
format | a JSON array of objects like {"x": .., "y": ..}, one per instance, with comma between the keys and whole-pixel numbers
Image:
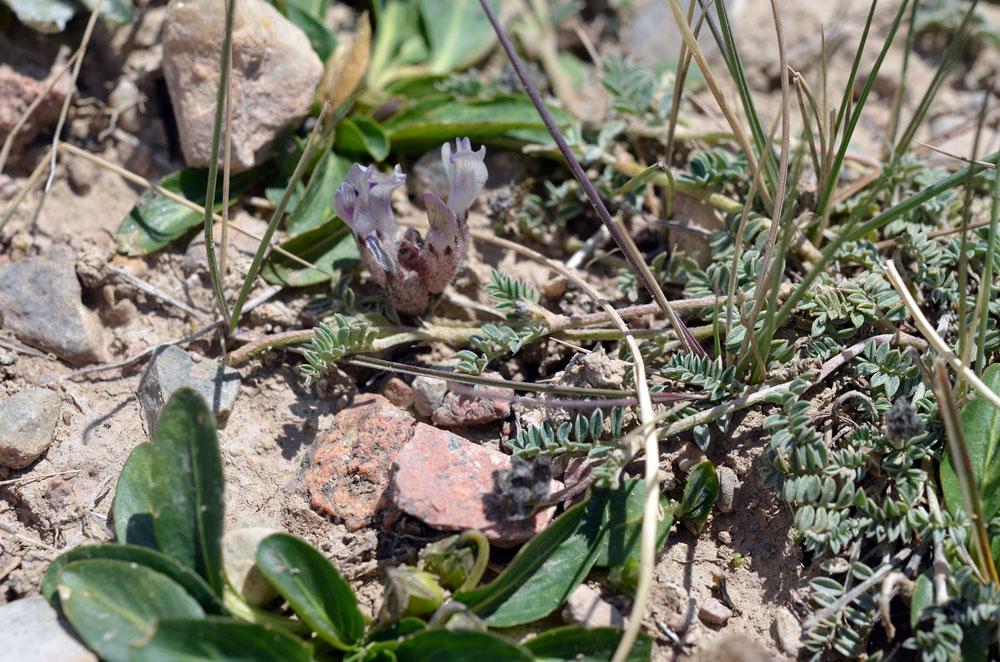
[
  {"x": 428, "y": 394},
  {"x": 27, "y": 423},
  {"x": 172, "y": 369},
  {"x": 32, "y": 630},
  {"x": 40, "y": 302}
]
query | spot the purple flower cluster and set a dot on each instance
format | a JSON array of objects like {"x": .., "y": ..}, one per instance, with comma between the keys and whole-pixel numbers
[{"x": 409, "y": 267}]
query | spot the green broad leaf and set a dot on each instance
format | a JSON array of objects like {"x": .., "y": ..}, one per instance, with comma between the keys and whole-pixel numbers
[
  {"x": 331, "y": 247},
  {"x": 700, "y": 493},
  {"x": 319, "y": 36},
  {"x": 545, "y": 571},
  {"x": 218, "y": 640},
  {"x": 116, "y": 11},
  {"x": 313, "y": 588},
  {"x": 578, "y": 644},
  {"x": 981, "y": 423},
  {"x": 161, "y": 563},
  {"x": 155, "y": 221},
  {"x": 458, "y": 31},
  {"x": 459, "y": 646},
  {"x": 188, "y": 486},
  {"x": 133, "y": 505},
  {"x": 434, "y": 120},
  {"x": 45, "y": 16},
  {"x": 623, "y": 522},
  {"x": 362, "y": 135},
  {"x": 316, "y": 204},
  {"x": 112, "y": 604}
]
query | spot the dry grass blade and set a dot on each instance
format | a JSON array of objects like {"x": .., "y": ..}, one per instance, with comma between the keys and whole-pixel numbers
[
  {"x": 346, "y": 68},
  {"x": 33, "y": 178},
  {"x": 713, "y": 85},
  {"x": 935, "y": 340},
  {"x": 213, "y": 160},
  {"x": 64, "y": 111}
]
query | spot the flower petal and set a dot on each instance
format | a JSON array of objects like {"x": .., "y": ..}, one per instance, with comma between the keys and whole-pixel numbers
[
  {"x": 381, "y": 190},
  {"x": 443, "y": 222},
  {"x": 467, "y": 174},
  {"x": 378, "y": 251}
]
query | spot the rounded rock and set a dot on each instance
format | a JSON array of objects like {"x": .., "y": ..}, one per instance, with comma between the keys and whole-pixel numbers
[{"x": 27, "y": 424}]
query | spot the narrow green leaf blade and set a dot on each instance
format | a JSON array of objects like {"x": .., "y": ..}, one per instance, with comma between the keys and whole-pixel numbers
[
  {"x": 578, "y": 644},
  {"x": 217, "y": 640},
  {"x": 459, "y": 646},
  {"x": 331, "y": 247},
  {"x": 545, "y": 571},
  {"x": 316, "y": 204},
  {"x": 133, "y": 506},
  {"x": 313, "y": 588},
  {"x": 981, "y": 423},
  {"x": 155, "y": 221},
  {"x": 188, "y": 486},
  {"x": 434, "y": 120},
  {"x": 623, "y": 522},
  {"x": 112, "y": 604},
  {"x": 458, "y": 31},
  {"x": 152, "y": 559}
]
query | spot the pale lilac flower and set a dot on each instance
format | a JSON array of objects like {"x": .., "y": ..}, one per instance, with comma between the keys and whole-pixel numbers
[
  {"x": 409, "y": 268},
  {"x": 364, "y": 201},
  {"x": 466, "y": 171}
]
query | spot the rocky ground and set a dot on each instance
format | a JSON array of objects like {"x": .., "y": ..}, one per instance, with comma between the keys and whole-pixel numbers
[{"x": 317, "y": 461}]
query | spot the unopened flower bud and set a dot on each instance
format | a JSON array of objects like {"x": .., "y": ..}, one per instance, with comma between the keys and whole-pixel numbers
[
  {"x": 450, "y": 560},
  {"x": 410, "y": 592}
]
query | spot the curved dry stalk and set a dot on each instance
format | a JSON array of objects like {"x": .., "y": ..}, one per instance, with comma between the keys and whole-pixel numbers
[
  {"x": 936, "y": 341},
  {"x": 88, "y": 31},
  {"x": 36, "y": 174}
]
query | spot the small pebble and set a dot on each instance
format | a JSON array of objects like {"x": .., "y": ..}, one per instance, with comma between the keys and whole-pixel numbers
[
  {"x": 787, "y": 631},
  {"x": 587, "y": 608},
  {"x": 727, "y": 488},
  {"x": 27, "y": 424},
  {"x": 398, "y": 392},
  {"x": 713, "y": 612},
  {"x": 428, "y": 394},
  {"x": 724, "y": 537}
]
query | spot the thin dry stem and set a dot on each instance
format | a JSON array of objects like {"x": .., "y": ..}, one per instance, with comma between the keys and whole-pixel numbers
[
  {"x": 8, "y": 143},
  {"x": 713, "y": 85},
  {"x": 91, "y": 22},
  {"x": 936, "y": 341}
]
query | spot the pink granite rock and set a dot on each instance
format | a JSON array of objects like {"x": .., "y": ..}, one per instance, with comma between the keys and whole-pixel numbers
[
  {"x": 446, "y": 481},
  {"x": 347, "y": 472}
]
